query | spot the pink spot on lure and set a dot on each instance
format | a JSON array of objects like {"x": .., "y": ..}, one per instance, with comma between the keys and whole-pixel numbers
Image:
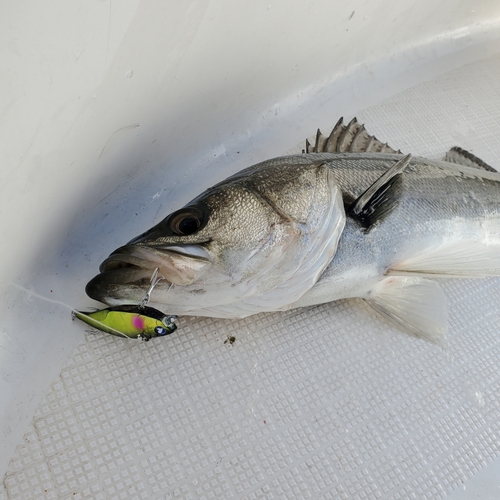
[{"x": 138, "y": 322}]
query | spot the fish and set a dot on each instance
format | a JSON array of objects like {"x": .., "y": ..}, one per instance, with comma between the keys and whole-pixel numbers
[
  {"x": 350, "y": 217},
  {"x": 131, "y": 321}
]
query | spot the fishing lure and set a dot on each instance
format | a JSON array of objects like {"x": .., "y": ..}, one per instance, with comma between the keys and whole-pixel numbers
[{"x": 131, "y": 321}]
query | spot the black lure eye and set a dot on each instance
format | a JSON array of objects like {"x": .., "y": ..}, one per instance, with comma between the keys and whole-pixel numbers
[{"x": 186, "y": 222}]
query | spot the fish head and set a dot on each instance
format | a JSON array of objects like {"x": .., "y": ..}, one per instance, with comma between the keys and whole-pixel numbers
[{"x": 254, "y": 242}]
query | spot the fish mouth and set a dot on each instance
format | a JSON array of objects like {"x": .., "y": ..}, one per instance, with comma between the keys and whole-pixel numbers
[
  {"x": 126, "y": 274},
  {"x": 127, "y": 260}
]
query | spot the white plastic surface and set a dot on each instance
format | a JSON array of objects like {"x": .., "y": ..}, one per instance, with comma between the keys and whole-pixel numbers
[{"x": 115, "y": 115}]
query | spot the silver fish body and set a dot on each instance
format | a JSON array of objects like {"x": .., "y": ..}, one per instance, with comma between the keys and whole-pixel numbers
[
  {"x": 312, "y": 228},
  {"x": 439, "y": 205}
]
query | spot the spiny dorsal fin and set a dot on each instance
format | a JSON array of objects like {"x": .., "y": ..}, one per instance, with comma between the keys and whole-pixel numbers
[
  {"x": 350, "y": 138},
  {"x": 331, "y": 143},
  {"x": 462, "y": 157},
  {"x": 380, "y": 198}
]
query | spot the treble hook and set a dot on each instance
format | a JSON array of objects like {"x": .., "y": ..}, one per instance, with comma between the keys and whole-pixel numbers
[{"x": 147, "y": 296}]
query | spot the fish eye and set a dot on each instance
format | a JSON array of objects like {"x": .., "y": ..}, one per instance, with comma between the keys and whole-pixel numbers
[
  {"x": 159, "y": 330},
  {"x": 186, "y": 222}
]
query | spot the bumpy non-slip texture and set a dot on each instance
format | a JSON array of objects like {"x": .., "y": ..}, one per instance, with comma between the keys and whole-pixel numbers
[{"x": 329, "y": 402}]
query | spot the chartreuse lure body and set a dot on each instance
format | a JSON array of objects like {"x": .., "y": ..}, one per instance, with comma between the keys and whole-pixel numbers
[{"x": 132, "y": 321}]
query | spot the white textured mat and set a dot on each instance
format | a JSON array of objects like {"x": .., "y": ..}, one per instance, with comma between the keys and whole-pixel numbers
[{"x": 329, "y": 402}]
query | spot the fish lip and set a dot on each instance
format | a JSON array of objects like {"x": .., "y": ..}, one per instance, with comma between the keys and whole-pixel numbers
[
  {"x": 130, "y": 256},
  {"x": 101, "y": 287}
]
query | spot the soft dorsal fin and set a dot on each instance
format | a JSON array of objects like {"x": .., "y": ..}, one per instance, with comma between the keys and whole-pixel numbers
[
  {"x": 350, "y": 138},
  {"x": 462, "y": 157},
  {"x": 381, "y": 197}
]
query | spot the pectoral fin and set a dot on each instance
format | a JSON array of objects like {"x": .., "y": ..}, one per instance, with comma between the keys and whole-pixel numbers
[
  {"x": 381, "y": 197},
  {"x": 416, "y": 305}
]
